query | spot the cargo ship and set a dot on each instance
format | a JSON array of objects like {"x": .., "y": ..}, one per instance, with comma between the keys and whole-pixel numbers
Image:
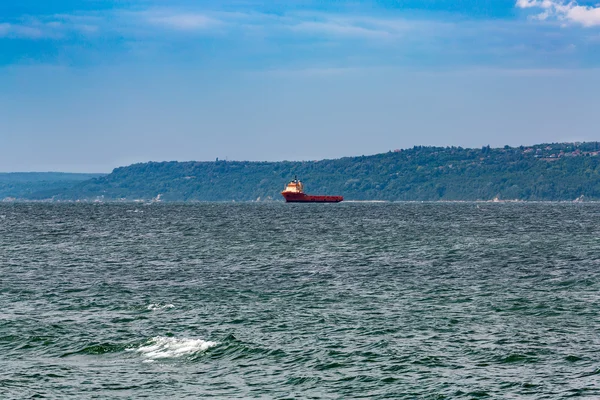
[{"x": 294, "y": 193}]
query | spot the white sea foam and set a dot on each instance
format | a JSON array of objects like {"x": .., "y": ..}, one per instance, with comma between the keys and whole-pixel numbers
[
  {"x": 158, "y": 306},
  {"x": 167, "y": 347}
]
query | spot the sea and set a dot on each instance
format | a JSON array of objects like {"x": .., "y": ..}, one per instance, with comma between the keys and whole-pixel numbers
[{"x": 300, "y": 301}]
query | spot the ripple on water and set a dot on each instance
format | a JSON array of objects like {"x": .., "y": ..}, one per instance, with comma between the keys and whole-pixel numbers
[{"x": 431, "y": 301}]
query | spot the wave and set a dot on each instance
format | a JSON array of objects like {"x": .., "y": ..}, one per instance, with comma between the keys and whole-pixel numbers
[
  {"x": 97, "y": 349},
  {"x": 159, "y": 306},
  {"x": 161, "y": 347}
]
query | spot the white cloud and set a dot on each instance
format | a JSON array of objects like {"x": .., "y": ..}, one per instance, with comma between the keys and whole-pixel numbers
[
  {"x": 315, "y": 71},
  {"x": 4, "y": 29},
  {"x": 571, "y": 11},
  {"x": 338, "y": 29},
  {"x": 354, "y": 26},
  {"x": 21, "y": 31},
  {"x": 181, "y": 21},
  {"x": 588, "y": 16},
  {"x": 45, "y": 27},
  {"x": 149, "y": 22}
]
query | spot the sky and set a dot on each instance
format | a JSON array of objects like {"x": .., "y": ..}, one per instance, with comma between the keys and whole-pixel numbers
[{"x": 90, "y": 85}]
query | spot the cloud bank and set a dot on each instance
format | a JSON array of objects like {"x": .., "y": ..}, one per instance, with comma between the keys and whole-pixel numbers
[
  {"x": 571, "y": 11},
  {"x": 308, "y": 40}
]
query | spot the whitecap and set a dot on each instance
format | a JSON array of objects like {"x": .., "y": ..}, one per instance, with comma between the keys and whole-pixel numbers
[
  {"x": 168, "y": 347},
  {"x": 159, "y": 306}
]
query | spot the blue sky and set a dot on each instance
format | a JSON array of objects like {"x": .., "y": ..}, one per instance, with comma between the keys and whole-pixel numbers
[{"x": 91, "y": 85}]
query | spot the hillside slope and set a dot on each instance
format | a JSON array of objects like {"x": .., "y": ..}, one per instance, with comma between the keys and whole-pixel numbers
[
  {"x": 562, "y": 171},
  {"x": 22, "y": 185}
]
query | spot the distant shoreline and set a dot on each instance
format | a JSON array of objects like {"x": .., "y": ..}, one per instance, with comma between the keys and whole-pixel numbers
[
  {"x": 544, "y": 172},
  {"x": 144, "y": 203}
]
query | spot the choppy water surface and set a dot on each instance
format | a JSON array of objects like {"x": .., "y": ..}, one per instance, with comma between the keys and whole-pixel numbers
[{"x": 340, "y": 301}]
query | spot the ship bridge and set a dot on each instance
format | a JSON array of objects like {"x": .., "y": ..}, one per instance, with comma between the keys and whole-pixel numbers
[{"x": 294, "y": 186}]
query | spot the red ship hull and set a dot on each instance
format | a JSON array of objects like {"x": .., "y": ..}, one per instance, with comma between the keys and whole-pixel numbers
[{"x": 306, "y": 198}]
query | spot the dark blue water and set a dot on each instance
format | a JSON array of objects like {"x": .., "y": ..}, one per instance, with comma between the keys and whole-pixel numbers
[{"x": 434, "y": 301}]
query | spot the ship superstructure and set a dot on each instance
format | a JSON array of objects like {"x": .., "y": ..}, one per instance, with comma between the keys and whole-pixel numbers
[{"x": 294, "y": 193}]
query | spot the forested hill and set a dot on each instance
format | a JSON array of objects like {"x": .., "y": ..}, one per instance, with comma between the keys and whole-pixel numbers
[
  {"x": 562, "y": 171},
  {"x": 19, "y": 185}
]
